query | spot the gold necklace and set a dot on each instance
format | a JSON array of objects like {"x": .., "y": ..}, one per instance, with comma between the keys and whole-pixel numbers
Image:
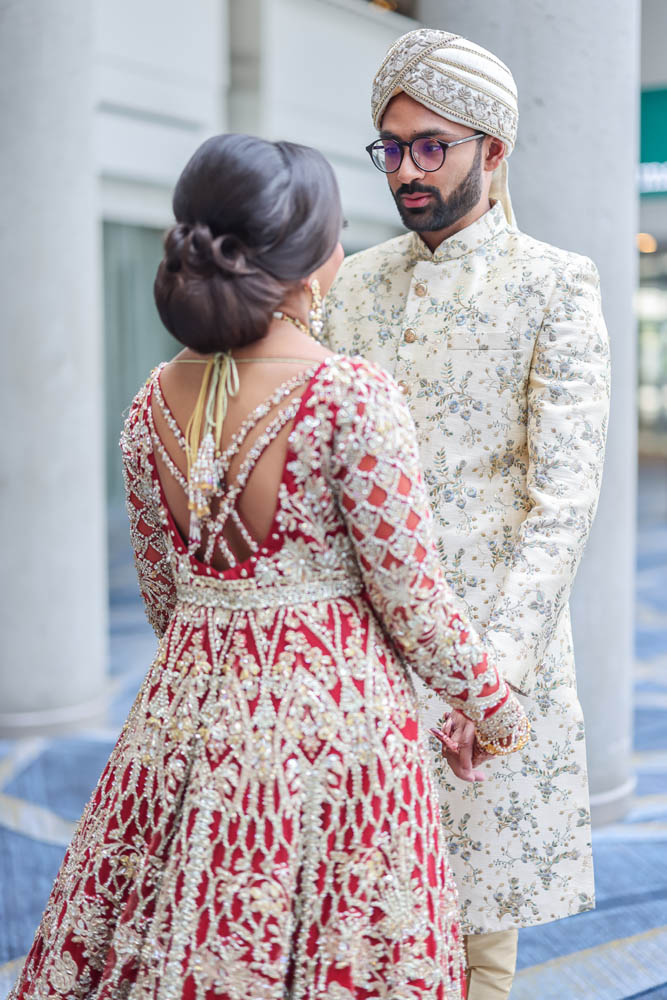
[
  {"x": 295, "y": 321},
  {"x": 245, "y": 361}
]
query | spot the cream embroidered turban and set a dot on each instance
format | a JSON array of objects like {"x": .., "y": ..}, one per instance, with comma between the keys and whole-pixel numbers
[{"x": 460, "y": 81}]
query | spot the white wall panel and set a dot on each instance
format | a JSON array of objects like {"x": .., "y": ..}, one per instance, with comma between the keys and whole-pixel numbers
[
  {"x": 302, "y": 70},
  {"x": 164, "y": 45},
  {"x": 162, "y": 72},
  {"x": 176, "y": 99},
  {"x": 134, "y": 203},
  {"x": 320, "y": 74},
  {"x": 142, "y": 150}
]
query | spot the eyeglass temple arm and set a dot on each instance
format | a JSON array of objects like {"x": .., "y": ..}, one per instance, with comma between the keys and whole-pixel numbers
[{"x": 467, "y": 138}]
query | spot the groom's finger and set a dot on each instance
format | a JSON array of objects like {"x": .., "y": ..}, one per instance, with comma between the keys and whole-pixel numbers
[{"x": 462, "y": 772}]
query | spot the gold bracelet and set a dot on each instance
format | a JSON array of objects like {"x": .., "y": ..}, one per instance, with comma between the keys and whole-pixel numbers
[{"x": 518, "y": 741}]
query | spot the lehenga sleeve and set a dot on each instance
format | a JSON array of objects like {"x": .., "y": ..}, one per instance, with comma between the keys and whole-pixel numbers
[
  {"x": 147, "y": 533},
  {"x": 376, "y": 476}
]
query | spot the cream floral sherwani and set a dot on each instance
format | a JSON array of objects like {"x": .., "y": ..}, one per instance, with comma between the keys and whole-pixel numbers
[{"x": 500, "y": 346}]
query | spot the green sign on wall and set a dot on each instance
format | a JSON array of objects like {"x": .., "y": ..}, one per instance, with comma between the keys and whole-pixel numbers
[{"x": 653, "y": 159}]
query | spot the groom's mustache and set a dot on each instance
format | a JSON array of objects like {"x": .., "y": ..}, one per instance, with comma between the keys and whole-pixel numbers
[{"x": 415, "y": 187}]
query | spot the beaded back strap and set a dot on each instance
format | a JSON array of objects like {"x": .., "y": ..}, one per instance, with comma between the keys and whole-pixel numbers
[{"x": 207, "y": 466}]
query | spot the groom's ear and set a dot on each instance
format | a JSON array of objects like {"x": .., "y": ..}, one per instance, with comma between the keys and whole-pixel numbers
[{"x": 494, "y": 154}]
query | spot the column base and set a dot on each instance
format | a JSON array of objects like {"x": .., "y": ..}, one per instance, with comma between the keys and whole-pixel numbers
[
  {"x": 612, "y": 806},
  {"x": 56, "y": 721}
]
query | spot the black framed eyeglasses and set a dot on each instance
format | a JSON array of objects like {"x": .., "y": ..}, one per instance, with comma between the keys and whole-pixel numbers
[{"x": 426, "y": 153}]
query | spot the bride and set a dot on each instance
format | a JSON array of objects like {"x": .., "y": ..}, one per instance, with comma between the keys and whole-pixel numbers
[{"x": 266, "y": 825}]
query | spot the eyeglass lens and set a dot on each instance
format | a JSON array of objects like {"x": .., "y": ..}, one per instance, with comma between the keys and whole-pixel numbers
[{"x": 426, "y": 153}]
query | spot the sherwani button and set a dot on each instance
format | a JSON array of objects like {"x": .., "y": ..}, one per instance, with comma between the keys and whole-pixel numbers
[
  {"x": 420, "y": 289},
  {"x": 409, "y": 336},
  {"x": 404, "y": 387}
]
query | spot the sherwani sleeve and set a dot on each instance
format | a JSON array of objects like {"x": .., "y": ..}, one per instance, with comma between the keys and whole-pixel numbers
[{"x": 567, "y": 410}]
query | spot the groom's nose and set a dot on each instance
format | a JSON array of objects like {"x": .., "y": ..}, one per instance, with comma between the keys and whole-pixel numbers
[{"x": 408, "y": 170}]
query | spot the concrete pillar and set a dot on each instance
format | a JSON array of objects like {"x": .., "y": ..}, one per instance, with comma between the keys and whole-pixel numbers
[
  {"x": 572, "y": 177},
  {"x": 53, "y": 608}
]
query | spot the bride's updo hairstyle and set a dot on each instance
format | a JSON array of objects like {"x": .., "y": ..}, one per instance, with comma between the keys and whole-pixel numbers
[{"x": 253, "y": 218}]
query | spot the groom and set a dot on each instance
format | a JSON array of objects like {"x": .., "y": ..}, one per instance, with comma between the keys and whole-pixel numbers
[{"x": 499, "y": 344}]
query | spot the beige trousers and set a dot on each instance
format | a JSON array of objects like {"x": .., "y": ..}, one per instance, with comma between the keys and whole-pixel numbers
[{"x": 491, "y": 960}]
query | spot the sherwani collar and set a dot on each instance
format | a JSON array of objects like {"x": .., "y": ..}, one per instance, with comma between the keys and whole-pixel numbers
[{"x": 465, "y": 241}]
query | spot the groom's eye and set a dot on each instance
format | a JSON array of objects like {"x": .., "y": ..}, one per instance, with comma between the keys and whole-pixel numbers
[{"x": 392, "y": 154}]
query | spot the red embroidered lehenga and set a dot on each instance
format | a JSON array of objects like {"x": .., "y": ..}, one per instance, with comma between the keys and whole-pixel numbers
[{"x": 265, "y": 827}]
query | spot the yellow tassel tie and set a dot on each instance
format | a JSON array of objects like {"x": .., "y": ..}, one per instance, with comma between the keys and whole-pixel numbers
[{"x": 203, "y": 433}]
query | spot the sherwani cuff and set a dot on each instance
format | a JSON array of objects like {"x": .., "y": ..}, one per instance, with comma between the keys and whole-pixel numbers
[{"x": 513, "y": 662}]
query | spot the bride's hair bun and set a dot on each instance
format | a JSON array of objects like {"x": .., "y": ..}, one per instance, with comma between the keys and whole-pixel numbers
[
  {"x": 254, "y": 218},
  {"x": 196, "y": 249}
]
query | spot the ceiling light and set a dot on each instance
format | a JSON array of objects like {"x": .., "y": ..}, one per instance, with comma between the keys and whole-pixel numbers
[{"x": 646, "y": 243}]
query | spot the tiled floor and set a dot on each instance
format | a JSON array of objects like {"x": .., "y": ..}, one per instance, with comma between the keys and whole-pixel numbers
[{"x": 616, "y": 952}]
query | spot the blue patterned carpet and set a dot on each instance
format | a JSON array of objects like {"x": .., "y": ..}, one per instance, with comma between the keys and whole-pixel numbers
[{"x": 616, "y": 952}]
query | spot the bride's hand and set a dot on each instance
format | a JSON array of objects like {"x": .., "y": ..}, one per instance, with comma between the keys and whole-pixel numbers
[{"x": 460, "y": 747}]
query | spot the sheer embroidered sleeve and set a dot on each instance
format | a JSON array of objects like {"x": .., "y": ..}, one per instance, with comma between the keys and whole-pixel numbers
[
  {"x": 147, "y": 534},
  {"x": 377, "y": 479}
]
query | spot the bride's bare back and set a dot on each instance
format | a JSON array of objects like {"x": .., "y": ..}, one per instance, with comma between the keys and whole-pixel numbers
[{"x": 273, "y": 374}]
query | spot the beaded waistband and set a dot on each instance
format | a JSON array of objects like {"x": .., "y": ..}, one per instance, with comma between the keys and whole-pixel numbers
[{"x": 248, "y": 595}]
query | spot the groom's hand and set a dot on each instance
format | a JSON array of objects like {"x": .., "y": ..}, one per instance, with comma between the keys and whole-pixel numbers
[{"x": 459, "y": 747}]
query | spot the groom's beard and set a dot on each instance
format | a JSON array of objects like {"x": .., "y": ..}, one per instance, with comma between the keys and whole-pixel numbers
[{"x": 441, "y": 214}]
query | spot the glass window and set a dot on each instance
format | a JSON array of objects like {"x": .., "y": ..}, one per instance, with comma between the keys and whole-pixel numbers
[
  {"x": 652, "y": 315},
  {"x": 134, "y": 338}
]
